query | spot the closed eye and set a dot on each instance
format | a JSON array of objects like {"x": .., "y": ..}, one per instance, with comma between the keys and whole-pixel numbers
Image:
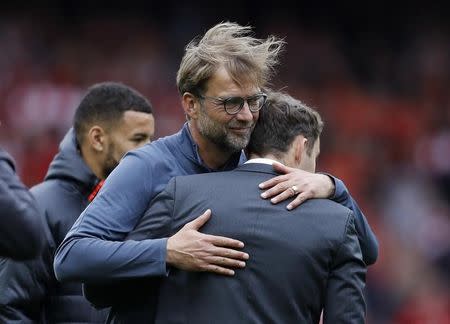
[{"x": 139, "y": 139}]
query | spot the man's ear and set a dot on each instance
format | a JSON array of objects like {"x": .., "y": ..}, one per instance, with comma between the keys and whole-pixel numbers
[
  {"x": 191, "y": 105},
  {"x": 96, "y": 138},
  {"x": 299, "y": 147}
]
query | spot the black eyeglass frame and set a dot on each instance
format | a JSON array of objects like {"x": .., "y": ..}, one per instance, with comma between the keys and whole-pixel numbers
[{"x": 224, "y": 101}]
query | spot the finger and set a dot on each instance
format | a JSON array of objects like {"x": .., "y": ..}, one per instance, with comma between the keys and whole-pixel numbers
[
  {"x": 223, "y": 241},
  {"x": 229, "y": 253},
  {"x": 298, "y": 200},
  {"x": 199, "y": 221},
  {"x": 281, "y": 168},
  {"x": 278, "y": 189},
  {"x": 225, "y": 262},
  {"x": 219, "y": 270},
  {"x": 272, "y": 182},
  {"x": 286, "y": 194}
]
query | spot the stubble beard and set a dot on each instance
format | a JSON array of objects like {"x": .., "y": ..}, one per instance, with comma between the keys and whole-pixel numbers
[
  {"x": 221, "y": 136},
  {"x": 110, "y": 162}
]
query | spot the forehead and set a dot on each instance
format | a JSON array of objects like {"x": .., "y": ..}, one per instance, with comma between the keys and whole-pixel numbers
[
  {"x": 221, "y": 83},
  {"x": 137, "y": 121}
]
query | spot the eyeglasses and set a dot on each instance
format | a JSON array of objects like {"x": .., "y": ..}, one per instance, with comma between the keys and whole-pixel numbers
[{"x": 233, "y": 105}]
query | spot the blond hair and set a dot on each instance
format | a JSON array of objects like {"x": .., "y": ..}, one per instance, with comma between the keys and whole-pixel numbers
[{"x": 246, "y": 58}]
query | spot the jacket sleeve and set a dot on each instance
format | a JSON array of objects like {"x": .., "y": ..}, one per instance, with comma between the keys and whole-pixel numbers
[
  {"x": 344, "y": 301},
  {"x": 156, "y": 223},
  {"x": 24, "y": 285},
  {"x": 94, "y": 249},
  {"x": 366, "y": 237},
  {"x": 20, "y": 226},
  {"x": 158, "y": 218}
]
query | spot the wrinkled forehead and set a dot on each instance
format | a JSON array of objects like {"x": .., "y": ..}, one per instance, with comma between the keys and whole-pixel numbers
[{"x": 135, "y": 122}]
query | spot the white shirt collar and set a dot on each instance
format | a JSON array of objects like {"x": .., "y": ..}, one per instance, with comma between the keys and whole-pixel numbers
[{"x": 261, "y": 160}]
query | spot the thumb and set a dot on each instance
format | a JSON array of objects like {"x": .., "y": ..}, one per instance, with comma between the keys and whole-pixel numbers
[
  {"x": 281, "y": 168},
  {"x": 199, "y": 221}
]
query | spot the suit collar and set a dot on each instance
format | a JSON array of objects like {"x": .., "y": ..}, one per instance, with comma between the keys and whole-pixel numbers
[
  {"x": 261, "y": 160},
  {"x": 257, "y": 167}
]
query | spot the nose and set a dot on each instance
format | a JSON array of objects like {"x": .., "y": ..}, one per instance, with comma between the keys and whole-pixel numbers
[{"x": 245, "y": 114}]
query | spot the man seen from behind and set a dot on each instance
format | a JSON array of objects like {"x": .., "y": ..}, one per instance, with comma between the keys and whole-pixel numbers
[{"x": 302, "y": 261}]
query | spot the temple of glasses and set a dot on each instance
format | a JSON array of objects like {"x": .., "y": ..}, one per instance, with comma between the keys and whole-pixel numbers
[{"x": 233, "y": 105}]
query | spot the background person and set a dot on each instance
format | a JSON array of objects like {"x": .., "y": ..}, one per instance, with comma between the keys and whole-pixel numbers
[
  {"x": 301, "y": 261},
  {"x": 20, "y": 227},
  {"x": 227, "y": 65},
  {"x": 221, "y": 78},
  {"x": 110, "y": 120}
]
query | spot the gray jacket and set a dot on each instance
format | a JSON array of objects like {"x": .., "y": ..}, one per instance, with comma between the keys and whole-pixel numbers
[
  {"x": 29, "y": 291},
  {"x": 301, "y": 261},
  {"x": 20, "y": 226}
]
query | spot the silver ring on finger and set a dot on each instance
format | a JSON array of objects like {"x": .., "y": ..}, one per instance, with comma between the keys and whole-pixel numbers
[{"x": 292, "y": 191}]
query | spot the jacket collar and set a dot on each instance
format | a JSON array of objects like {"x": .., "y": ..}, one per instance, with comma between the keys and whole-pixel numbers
[
  {"x": 261, "y": 160},
  {"x": 257, "y": 167},
  {"x": 70, "y": 166}
]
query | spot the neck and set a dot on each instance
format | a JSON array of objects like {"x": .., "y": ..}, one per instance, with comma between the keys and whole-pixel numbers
[
  {"x": 213, "y": 156},
  {"x": 91, "y": 160}
]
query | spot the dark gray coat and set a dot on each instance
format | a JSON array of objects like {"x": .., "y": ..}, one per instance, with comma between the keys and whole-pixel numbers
[
  {"x": 20, "y": 227},
  {"x": 29, "y": 291}
]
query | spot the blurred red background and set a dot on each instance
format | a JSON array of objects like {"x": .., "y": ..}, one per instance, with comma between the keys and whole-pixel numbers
[{"x": 378, "y": 75}]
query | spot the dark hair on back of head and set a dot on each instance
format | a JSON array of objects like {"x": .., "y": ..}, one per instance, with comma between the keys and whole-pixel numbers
[
  {"x": 105, "y": 103},
  {"x": 281, "y": 120}
]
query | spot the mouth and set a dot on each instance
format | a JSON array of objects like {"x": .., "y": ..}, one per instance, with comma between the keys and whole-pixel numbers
[{"x": 241, "y": 130}]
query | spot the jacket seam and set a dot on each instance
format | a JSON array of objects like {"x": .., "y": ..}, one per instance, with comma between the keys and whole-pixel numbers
[{"x": 344, "y": 235}]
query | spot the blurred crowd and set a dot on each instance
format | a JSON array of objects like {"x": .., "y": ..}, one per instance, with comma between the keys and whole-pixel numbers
[{"x": 385, "y": 101}]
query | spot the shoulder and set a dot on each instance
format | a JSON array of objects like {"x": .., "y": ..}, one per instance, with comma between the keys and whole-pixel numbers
[
  {"x": 7, "y": 166},
  {"x": 59, "y": 201},
  {"x": 205, "y": 177},
  {"x": 195, "y": 184},
  {"x": 141, "y": 174},
  {"x": 332, "y": 216},
  {"x": 203, "y": 185},
  {"x": 6, "y": 160},
  {"x": 55, "y": 189},
  {"x": 328, "y": 205},
  {"x": 156, "y": 152}
]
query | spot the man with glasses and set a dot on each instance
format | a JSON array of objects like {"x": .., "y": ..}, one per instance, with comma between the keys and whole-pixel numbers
[
  {"x": 226, "y": 63},
  {"x": 233, "y": 105},
  {"x": 301, "y": 261}
]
